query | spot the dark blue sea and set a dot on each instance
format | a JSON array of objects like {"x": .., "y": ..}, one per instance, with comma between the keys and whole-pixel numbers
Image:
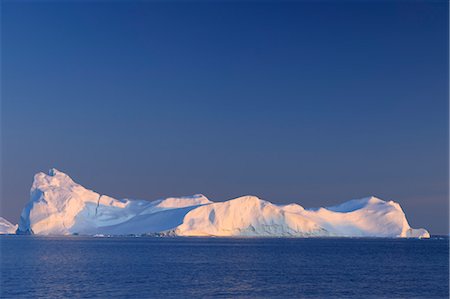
[{"x": 79, "y": 267}]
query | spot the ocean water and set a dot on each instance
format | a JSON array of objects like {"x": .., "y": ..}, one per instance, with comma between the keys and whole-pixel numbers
[{"x": 74, "y": 267}]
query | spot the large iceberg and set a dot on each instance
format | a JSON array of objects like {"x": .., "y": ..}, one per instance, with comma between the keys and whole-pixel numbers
[
  {"x": 7, "y": 227},
  {"x": 59, "y": 206}
]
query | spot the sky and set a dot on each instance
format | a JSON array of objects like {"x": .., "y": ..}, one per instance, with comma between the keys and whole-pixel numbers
[{"x": 308, "y": 102}]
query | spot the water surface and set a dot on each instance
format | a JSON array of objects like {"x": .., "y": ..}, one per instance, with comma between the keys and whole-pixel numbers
[{"x": 56, "y": 267}]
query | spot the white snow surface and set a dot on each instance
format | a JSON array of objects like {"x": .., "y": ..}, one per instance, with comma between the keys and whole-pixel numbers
[
  {"x": 7, "y": 227},
  {"x": 59, "y": 206}
]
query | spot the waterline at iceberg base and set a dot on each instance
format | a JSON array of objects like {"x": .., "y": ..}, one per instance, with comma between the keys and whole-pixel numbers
[{"x": 59, "y": 206}]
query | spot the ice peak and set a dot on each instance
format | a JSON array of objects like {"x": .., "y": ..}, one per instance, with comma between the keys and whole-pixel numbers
[
  {"x": 51, "y": 180},
  {"x": 195, "y": 196},
  {"x": 373, "y": 199},
  {"x": 248, "y": 199}
]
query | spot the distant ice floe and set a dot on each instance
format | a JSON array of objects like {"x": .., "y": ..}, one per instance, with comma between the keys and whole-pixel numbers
[{"x": 7, "y": 227}]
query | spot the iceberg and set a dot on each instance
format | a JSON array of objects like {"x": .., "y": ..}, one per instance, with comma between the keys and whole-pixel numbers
[
  {"x": 7, "y": 227},
  {"x": 59, "y": 206}
]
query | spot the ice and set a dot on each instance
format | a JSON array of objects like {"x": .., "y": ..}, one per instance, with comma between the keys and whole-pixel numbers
[
  {"x": 7, "y": 227},
  {"x": 59, "y": 206}
]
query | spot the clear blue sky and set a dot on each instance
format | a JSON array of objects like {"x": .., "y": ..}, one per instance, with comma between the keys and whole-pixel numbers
[{"x": 308, "y": 102}]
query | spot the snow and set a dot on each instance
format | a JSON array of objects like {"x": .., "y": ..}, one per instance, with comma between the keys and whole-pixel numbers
[
  {"x": 7, "y": 227},
  {"x": 59, "y": 206}
]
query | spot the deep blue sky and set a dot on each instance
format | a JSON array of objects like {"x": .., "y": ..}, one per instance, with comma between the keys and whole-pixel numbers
[{"x": 305, "y": 102}]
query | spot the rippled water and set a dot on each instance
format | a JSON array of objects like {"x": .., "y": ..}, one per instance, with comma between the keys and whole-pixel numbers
[{"x": 34, "y": 267}]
